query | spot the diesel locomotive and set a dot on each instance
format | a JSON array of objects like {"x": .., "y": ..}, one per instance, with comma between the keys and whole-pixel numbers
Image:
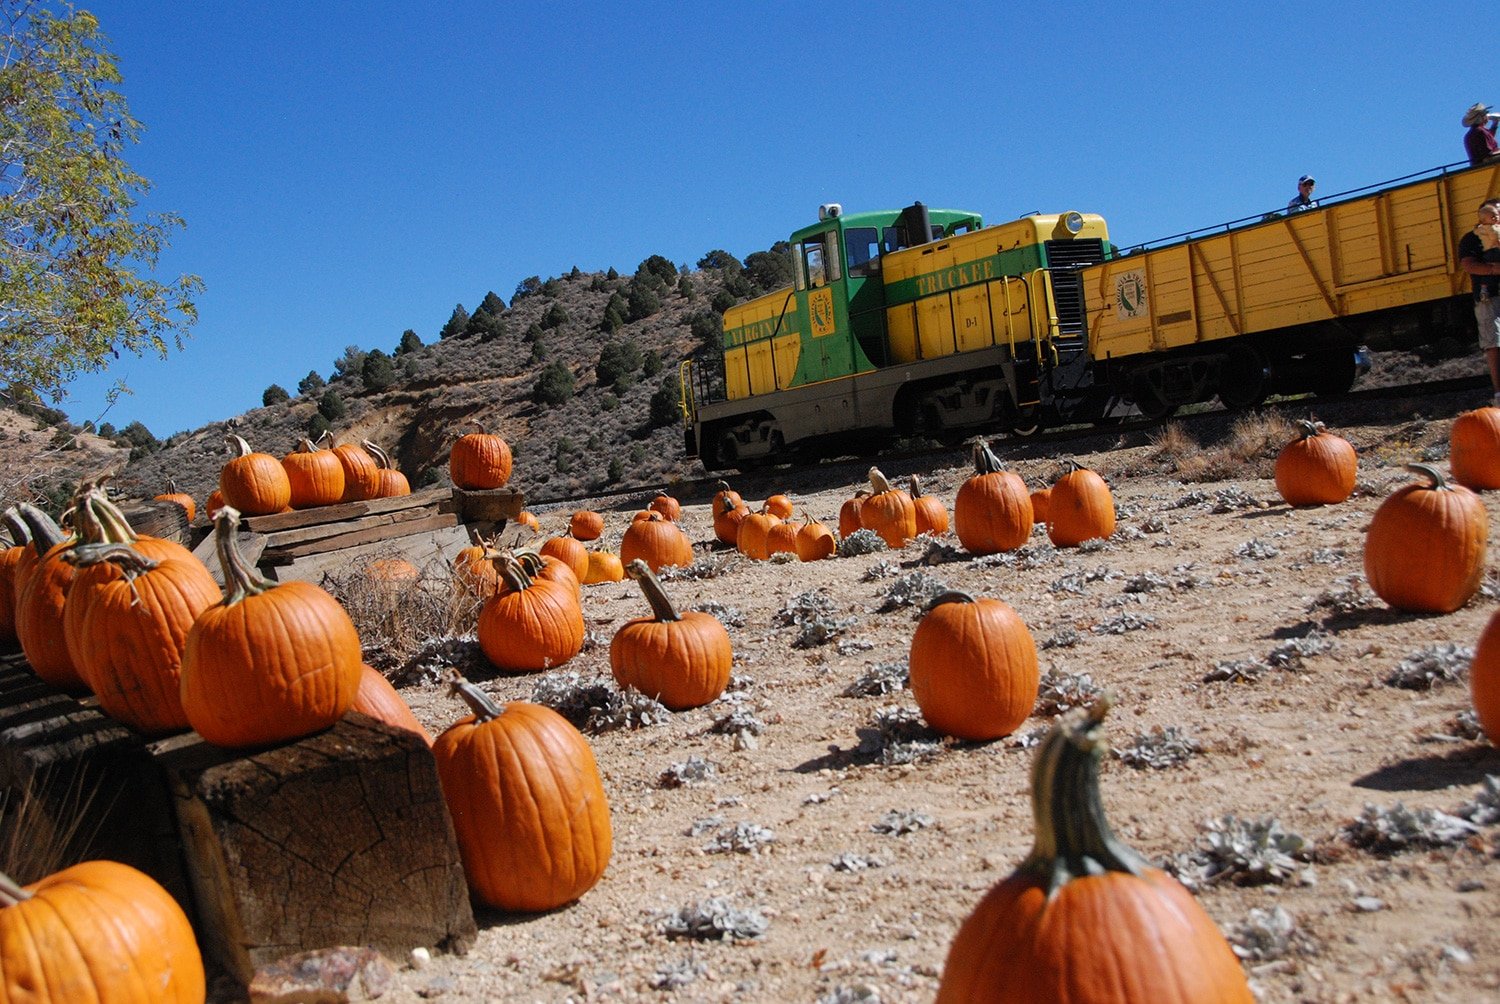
[{"x": 926, "y": 322}]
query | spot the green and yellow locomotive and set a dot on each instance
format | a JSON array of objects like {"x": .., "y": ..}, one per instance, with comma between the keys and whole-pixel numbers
[{"x": 927, "y": 322}]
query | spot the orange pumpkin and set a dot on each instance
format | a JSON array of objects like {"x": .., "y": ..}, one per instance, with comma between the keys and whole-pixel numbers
[
  {"x": 682, "y": 660},
  {"x": 1317, "y": 468},
  {"x": 849, "y": 520},
  {"x": 378, "y": 699},
  {"x": 888, "y": 511},
  {"x": 1084, "y": 918},
  {"x": 992, "y": 511},
  {"x": 532, "y": 623},
  {"x": 1484, "y": 679},
  {"x": 1474, "y": 449},
  {"x": 727, "y": 520},
  {"x": 1082, "y": 508},
  {"x": 779, "y": 506},
  {"x": 669, "y": 507},
  {"x": 603, "y": 567},
  {"x": 10, "y": 560},
  {"x": 40, "y": 603},
  {"x": 213, "y": 503},
  {"x": 527, "y": 803},
  {"x": 388, "y": 482},
  {"x": 528, "y": 519},
  {"x": 98, "y": 931},
  {"x": 1041, "y": 505},
  {"x": 754, "y": 539},
  {"x": 722, "y": 492},
  {"x": 316, "y": 476},
  {"x": 1443, "y": 525},
  {"x": 480, "y": 461},
  {"x": 656, "y": 541},
  {"x": 393, "y": 572},
  {"x": 932, "y": 515},
  {"x": 586, "y": 525},
  {"x": 782, "y": 538},
  {"x": 570, "y": 552},
  {"x": 474, "y": 570},
  {"x": 973, "y": 667},
  {"x": 815, "y": 541},
  {"x": 545, "y": 566},
  {"x": 183, "y": 499},
  {"x": 361, "y": 472},
  {"x": 271, "y": 662},
  {"x": 254, "y": 483}
]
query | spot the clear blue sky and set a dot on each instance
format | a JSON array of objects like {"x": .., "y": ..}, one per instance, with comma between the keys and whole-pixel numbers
[{"x": 350, "y": 170}]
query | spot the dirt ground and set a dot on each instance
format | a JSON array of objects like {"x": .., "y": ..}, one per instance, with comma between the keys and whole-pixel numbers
[{"x": 1252, "y": 668}]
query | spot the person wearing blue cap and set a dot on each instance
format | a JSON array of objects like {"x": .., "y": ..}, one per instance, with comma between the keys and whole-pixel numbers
[{"x": 1303, "y": 199}]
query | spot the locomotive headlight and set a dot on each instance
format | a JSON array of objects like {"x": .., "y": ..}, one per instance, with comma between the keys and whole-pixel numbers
[{"x": 1073, "y": 222}]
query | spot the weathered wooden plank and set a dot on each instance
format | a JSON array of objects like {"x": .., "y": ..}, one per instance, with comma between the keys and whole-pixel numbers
[
  {"x": 347, "y": 510},
  {"x": 251, "y": 546},
  {"x": 341, "y": 838},
  {"x": 167, "y": 520},
  {"x": 282, "y": 539},
  {"x": 365, "y": 536},
  {"x": 489, "y": 506},
  {"x": 433, "y": 551}
]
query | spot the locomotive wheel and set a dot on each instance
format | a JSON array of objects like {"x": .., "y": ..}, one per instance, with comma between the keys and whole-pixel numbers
[{"x": 1244, "y": 378}]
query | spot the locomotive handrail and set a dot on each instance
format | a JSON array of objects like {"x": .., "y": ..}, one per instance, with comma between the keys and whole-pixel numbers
[
  {"x": 687, "y": 400},
  {"x": 1279, "y": 212}
]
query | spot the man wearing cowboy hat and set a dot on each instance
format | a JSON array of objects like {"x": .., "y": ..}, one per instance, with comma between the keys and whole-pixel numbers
[{"x": 1479, "y": 141}]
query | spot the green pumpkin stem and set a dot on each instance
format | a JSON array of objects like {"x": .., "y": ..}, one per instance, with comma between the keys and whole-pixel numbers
[
  {"x": 11, "y": 892},
  {"x": 45, "y": 533},
  {"x": 1073, "y": 838},
  {"x": 1439, "y": 483},
  {"x": 985, "y": 461},
  {"x": 661, "y": 605},
  {"x": 483, "y": 706},
  {"x": 240, "y": 580}
]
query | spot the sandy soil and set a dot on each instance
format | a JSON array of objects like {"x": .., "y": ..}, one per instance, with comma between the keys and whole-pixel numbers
[{"x": 860, "y": 857}]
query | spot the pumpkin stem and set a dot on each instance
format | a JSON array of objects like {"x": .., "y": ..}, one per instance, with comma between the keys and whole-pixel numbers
[
  {"x": 1073, "y": 838},
  {"x": 878, "y": 481},
  {"x": 238, "y": 445},
  {"x": 172, "y": 487},
  {"x": 950, "y": 596},
  {"x": 1439, "y": 483},
  {"x": 916, "y": 487},
  {"x": 512, "y": 572},
  {"x": 382, "y": 458},
  {"x": 327, "y": 435},
  {"x": 306, "y": 445},
  {"x": 484, "y": 708},
  {"x": 1308, "y": 428},
  {"x": 20, "y": 533},
  {"x": 11, "y": 892},
  {"x": 240, "y": 580},
  {"x": 661, "y": 605},
  {"x": 132, "y": 563},
  {"x": 45, "y": 533},
  {"x": 985, "y": 461},
  {"x": 100, "y": 521}
]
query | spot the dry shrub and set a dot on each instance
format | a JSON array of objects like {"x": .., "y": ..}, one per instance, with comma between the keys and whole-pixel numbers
[
  {"x": 43, "y": 833},
  {"x": 395, "y": 619},
  {"x": 1250, "y": 449},
  {"x": 1172, "y": 443}
]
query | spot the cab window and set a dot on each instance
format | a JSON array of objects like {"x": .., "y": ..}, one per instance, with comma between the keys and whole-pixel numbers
[
  {"x": 819, "y": 260},
  {"x": 862, "y": 244}
]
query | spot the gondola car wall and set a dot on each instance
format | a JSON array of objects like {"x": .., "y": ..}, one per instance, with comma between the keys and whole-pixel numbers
[
  {"x": 898, "y": 321},
  {"x": 1284, "y": 306}
]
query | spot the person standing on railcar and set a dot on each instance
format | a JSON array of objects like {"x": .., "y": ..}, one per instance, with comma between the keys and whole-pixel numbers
[
  {"x": 1479, "y": 141},
  {"x": 1484, "y": 267},
  {"x": 1303, "y": 199}
]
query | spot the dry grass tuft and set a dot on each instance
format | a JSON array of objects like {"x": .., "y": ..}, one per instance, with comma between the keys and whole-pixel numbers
[
  {"x": 40, "y": 835},
  {"x": 1250, "y": 449},
  {"x": 396, "y": 619}
]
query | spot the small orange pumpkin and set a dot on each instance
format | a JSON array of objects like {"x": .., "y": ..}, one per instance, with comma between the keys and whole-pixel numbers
[
  {"x": 682, "y": 660},
  {"x": 1444, "y": 526},
  {"x": 532, "y": 623},
  {"x": 586, "y": 525},
  {"x": 528, "y": 519},
  {"x": 41, "y": 600},
  {"x": 1484, "y": 679},
  {"x": 754, "y": 539},
  {"x": 1041, "y": 505},
  {"x": 570, "y": 551},
  {"x": 10, "y": 560},
  {"x": 381, "y": 701},
  {"x": 669, "y": 507},
  {"x": 888, "y": 511},
  {"x": 814, "y": 540},
  {"x": 723, "y": 491},
  {"x": 1082, "y": 508},
  {"x": 1474, "y": 449},
  {"x": 254, "y": 483},
  {"x": 932, "y": 515},
  {"x": 316, "y": 476},
  {"x": 992, "y": 512},
  {"x": 779, "y": 506},
  {"x": 179, "y": 497},
  {"x": 388, "y": 481},
  {"x": 727, "y": 520},
  {"x": 603, "y": 567},
  {"x": 657, "y": 541},
  {"x": 479, "y": 461},
  {"x": 973, "y": 667},
  {"x": 1317, "y": 468},
  {"x": 849, "y": 520}
]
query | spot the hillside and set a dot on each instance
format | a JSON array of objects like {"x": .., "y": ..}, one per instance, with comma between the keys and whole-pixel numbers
[{"x": 600, "y": 435}]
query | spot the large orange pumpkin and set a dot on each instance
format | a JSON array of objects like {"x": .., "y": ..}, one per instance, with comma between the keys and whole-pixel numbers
[
  {"x": 527, "y": 803},
  {"x": 973, "y": 667},
  {"x": 361, "y": 472},
  {"x": 992, "y": 512},
  {"x": 40, "y": 603},
  {"x": 98, "y": 931},
  {"x": 1082, "y": 508},
  {"x": 532, "y": 623},
  {"x": 254, "y": 483},
  {"x": 657, "y": 541},
  {"x": 388, "y": 482},
  {"x": 888, "y": 511},
  {"x": 1424, "y": 551},
  {"x": 381, "y": 701},
  {"x": 682, "y": 660},
  {"x": 271, "y": 662},
  {"x": 480, "y": 461},
  {"x": 1317, "y": 468},
  {"x": 1085, "y": 919},
  {"x": 1474, "y": 449},
  {"x": 316, "y": 476}
]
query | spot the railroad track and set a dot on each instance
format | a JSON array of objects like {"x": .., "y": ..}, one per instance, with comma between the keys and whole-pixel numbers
[{"x": 1064, "y": 441}]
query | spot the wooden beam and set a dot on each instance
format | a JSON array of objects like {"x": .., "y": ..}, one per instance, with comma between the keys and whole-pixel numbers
[
  {"x": 348, "y": 510},
  {"x": 366, "y": 535}
]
